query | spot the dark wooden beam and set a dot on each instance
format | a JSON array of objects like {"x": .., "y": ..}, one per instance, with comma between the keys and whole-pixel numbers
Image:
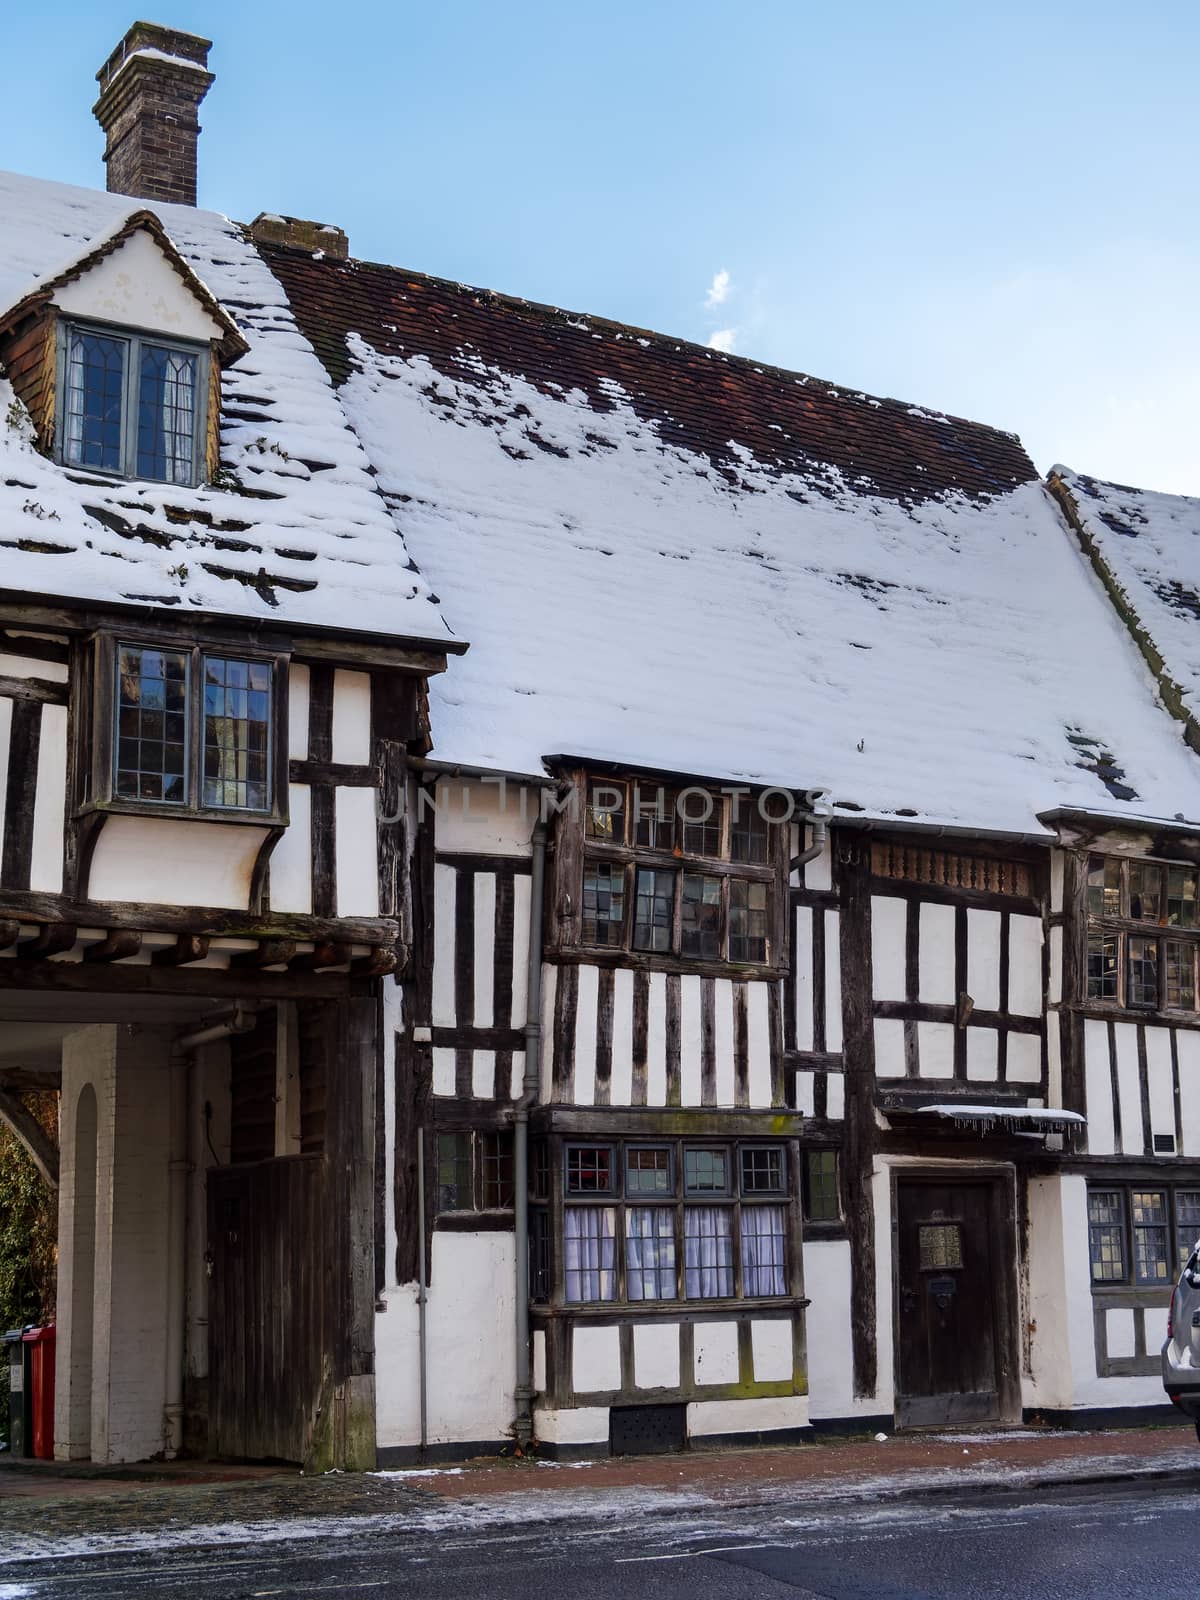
[
  {"x": 10, "y": 932},
  {"x": 187, "y": 947},
  {"x": 50, "y": 694},
  {"x": 117, "y": 945},
  {"x": 321, "y": 956},
  {"x": 269, "y": 953},
  {"x": 377, "y": 964},
  {"x": 42, "y": 1150},
  {"x": 52, "y": 939}
]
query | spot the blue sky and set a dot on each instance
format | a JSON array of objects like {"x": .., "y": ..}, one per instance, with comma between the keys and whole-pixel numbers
[{"x": 990, "y": 208}]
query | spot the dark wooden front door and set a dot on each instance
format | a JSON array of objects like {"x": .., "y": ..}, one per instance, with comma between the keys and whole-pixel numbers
[
  {"x": 950, "y": 1260},
  {"x": 268, "y": 1306}
]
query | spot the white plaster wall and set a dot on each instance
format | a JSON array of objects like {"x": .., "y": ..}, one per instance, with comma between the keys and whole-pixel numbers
[
  {"x": 299, "y": 680},
  {"x": 771, "y": 1349},
  {"x": 935, "y": 960},
  {"x": 17, "y": 666},
  {"x": 49, "y": 805},
  {"x": 480, "y": 818},
  {"x": 162, "y": 861},
  {"x": 689, "y": 1038},
  {"x": 983, "y": 958},
  {"x": 1187, "y": 1046},
  {"x": 983, "y": 1055},
  {"x": 889, "y": 915},
  {"x": 1050, "y": 1382},
  {"x": 1129, "y": 1089},
  {"x": 291, "y": 859},
  {"x": 759, "y": 998},
  {"x": 656, "y": 1355},
  {"x": 827, "y": 1332},
  {"x": 351, "y": 740},
  {"x": 802, "y": 966},
  {"x": 833, "y": 981},
  {"x": 136, "y": 287},
  {"x": 1160, "y": 1081},
  {"x": 715, "y": 1350},
  {"x": 587, "y": 1002},
  {"x": 595, "y": 1359},
  {"x": 935, "y": 1046},
  {"x": 471, "y": 1348},
  {"x": 1023, "y": 1062},
  {"x": 1097, "y": 1082},
  {"x": 356, "y": 853},
  {"x": 579, "y": 1425},
  {"x": 1025, "y": 966},
  {"x": 746, "y": 1416},
  {"x": 889, "y": 1048}
]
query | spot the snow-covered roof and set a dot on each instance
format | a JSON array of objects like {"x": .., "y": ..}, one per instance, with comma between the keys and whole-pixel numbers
[
  {"x": 296, "y": 532},
  {"x": 1146, "y": 547},
  {"x": 668, "y": 557}
]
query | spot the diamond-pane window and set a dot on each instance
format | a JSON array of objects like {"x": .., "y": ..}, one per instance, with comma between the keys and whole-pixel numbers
[
  {"x": 237, "y": 733},
  {"x": 95, "y": 401},
  {"x": 151, "y": 742},
  {"x": 132, "y": 406},
  {"x": 166, "y": 414}
]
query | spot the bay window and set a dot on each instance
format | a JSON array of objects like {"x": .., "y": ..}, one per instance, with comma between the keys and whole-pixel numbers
[{"x": 1143, "y": 934}]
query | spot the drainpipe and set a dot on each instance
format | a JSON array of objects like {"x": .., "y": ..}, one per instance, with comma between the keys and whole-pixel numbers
[
  {"x": 819, "y": 824},
  {"x": 530, "y": 1088},
  {"x": 182, "y": 1069},
  {"x": 422, "y": 1295}
]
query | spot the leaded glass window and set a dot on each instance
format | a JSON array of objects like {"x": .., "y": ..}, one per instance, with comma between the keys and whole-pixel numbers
[
  {"x": 1180, "y": 974},
  {"x": 747, "y": 920},
  {"x": 1143, "y": 920},
  {"x": 821, "y": 1201},
  {"x": 95, "y": 401},
  {"x": 655, "y": 913},
  {"x": 151, "y": 742},
  {"x": 1181, "y": 897},
  {"x": 1103, "y": 966},
  {"x": 1151, "y": 1250},
  {"x": 747, "y": 833},
  {"x": 237, "y": 733},
  {"x": 1145, "y": 891},
  {"x": 1106, "y": 1235},
  {"x": 700, "y": 916},
  {"x": 455, "y": 1185},
  {"x": 1143, "y": 972},
  {"x": 603, "y": 903},
  {"x": 166, "y": 426},
  {"x": 1187, "y": 1222},
  {"x": 1104, "y": 886}
]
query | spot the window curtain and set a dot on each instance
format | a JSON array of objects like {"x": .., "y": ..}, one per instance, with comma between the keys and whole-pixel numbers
[
  {"x": 762, "y": 1251},
  {"x": 76, "y": 402},
  {"x": 650, "y": 1253},
  {"x": 707, "y": 1252},
  {"x": 590, "y": 1244}
]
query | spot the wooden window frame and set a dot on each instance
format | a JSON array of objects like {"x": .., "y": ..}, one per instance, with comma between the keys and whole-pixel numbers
[
  {"x": 133, "y": 339},
  {"x": 1123, "y": 927},
  {"x": 99, "y": 736},
  {"x": 475, "y": 1136},
  {"x": 1171, "y": 1188},
  {"x": 678, "y": 1201},
  {"x": 577, "y": 851}
]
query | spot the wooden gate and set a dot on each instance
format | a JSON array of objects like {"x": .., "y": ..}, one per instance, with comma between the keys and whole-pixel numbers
[
  {"x": 268, "y": 1306},
  {"x": 954, "y": 1357}
]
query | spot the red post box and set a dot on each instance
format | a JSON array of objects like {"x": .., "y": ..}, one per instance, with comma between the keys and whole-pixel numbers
[{"x": 41, "y": 1385}]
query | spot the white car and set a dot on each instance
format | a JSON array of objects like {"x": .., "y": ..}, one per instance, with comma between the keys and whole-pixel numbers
[{"x": 1181, "y": 1352}]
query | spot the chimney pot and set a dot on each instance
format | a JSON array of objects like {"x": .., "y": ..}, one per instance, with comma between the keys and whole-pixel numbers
[{"x": 151, "y": 87}]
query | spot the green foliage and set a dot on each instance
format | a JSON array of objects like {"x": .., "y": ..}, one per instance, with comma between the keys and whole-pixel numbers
[{"x": 28, "y": 1237}]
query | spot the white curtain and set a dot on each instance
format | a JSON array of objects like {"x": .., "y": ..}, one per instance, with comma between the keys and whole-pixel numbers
[
  {"x": 178, "y": 414},
  {"x": 763, "y": 1251},
  {"x": 589, "y": 1238},
  {"x": 650, "y": 1253},
  {"x": 707, "y": 1252},
  {"x": 76, "y": 401}
]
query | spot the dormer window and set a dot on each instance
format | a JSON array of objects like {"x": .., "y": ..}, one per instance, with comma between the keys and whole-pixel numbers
[{"x": 132, "y": 404}]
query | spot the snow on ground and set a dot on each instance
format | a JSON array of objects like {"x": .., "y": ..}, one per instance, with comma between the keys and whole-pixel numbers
[
  {"x": 954, "y": 660},
  {"x": 310, "y": 541}
]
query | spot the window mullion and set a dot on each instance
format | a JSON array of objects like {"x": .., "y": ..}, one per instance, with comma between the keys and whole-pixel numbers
[
  {"x": 677, "y": 913},
  {"x": 129, "y": 405}
]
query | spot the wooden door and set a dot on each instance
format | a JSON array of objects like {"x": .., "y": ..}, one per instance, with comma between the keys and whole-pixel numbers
[
  {"x": 268, "y": 1317},
  {"x": 948, "y": 1366}
]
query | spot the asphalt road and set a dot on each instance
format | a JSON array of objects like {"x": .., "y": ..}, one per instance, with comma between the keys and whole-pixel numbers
[{"x": 1095, "y": 1544}]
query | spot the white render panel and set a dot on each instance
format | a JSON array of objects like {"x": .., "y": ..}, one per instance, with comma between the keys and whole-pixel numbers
[
  {"x": 485, "y": 948},
  {"x": 520, "y": 982},
  {"x": 818, "y": 873},
  {"x": 771, "y": 1343},
  {"x": 1129, "y": 1089},
  {"x": 889, "y": 1048},
  {"x": 1023, "y": 1063},
  {"x": 539, "y": 1361},
  {"x": 483, "y": 1073},
  {"x": 1119, "y": 1332},
  {"x": 802, "y": 960},
  {"x": 835, "y": 1095},
  {"x": 549, "y": 985},
  {"x": 595, "y": 1359},
  {"x": 1187, "y": 1047},
  {"x": 723, "y": 1027},
  {"x": 690, "y": 1092},
  {"x": 1097, "y": 1082},
  {"x": 49, "y": 804},
  {"x": 443, "y": 1070},
  {"x": 889, "y": 917},
  {"x": 656, "y": 1040},
  {"x": 936, "y": 955},
  {"x": 1154, "y": 1325},
  {"x": 983, "y": 958},
  {"x": 833, "y": 983},
  {"x": 1057, "y": 862},
  {"x": 1054, "y": 1087},
  {"x": 517, "y": 1082},
  {"x": 655, "y": 1355},
  {"x": 356, "y": 853},
  {"x": 758, "y": 1000},
  {"x": 805, "y": 1091},
  {"x": 6, "y": 707},
  {"x": 715, "y": 1352},
  {"x": 1025, "y": 966},
  {"x": 935, "y": 1049},
  {"x": 291, "y": 859},
  {"x": 167, "y": 862},
  {"x": 351, "y": 717},
  {"x": 586, "y": 1009},
  {"x": 15, "y": 666},
  {"x": 489, "y": 818},
  {"x": 1160, "y": 1081},
  {"x": 572, "y": 1425},
  {"x": 1056, "y": 957},
  {"x": 299, "y": 679},
  {"x": 137, "y": 287},
  {"x": 983, "y": 1064},
  {"x": 620, "y": 1088},
  {"x": 444, "y": 883},
  {"x": 766, "y": 1415}
]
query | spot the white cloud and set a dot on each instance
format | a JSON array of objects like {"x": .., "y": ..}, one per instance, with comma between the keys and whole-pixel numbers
[
  {"x": 718, "y": 290},
  {"x": 724, "y": 340}
]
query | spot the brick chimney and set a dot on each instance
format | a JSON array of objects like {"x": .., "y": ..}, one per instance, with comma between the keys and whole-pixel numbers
[{"x": 150, "y": 90}]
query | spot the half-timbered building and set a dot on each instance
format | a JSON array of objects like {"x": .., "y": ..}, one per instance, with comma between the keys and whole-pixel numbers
[{"x": 751, "y": 990}]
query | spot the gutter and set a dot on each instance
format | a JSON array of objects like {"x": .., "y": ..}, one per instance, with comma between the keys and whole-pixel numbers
[{"x": 530, "y": 1086}]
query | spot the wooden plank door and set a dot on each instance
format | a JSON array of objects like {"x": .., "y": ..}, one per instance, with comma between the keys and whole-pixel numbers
[
  {"x": 268, "y": 1320},
  {"x": 947, "y": 1341}
]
